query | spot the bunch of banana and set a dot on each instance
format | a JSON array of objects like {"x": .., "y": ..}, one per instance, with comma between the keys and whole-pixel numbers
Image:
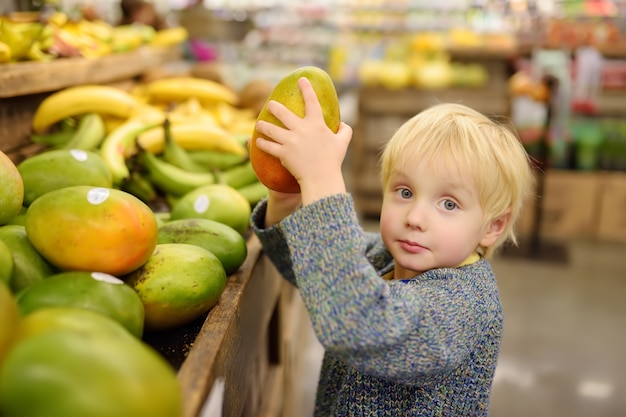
[
  {"x": 179, "y": 89},
  {"x": 83, "y": 99},
  {"x": 85, "y": 132},
  {"x": 22, "y": 41},
  {"x": 169, "y": 36},
  {"x": 174, "y": 171}
]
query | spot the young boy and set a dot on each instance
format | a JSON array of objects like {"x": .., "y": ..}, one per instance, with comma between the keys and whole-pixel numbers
[{"x": 410, "y": 319}]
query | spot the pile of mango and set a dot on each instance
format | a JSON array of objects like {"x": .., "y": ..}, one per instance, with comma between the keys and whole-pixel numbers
[
  {"x": 131, "y": 218},
  {"x": 30, "y": 36}
]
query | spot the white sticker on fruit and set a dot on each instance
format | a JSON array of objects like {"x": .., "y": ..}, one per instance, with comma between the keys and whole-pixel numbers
[
  {"x": 201, "y": 204},
  {"x": 97, "y": 195},
  {"x": 79, "y": 155},
  {"x": 101, "y": 276}
]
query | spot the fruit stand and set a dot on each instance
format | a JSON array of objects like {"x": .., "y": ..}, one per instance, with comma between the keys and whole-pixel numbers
[{"x": 240, "y": 354}]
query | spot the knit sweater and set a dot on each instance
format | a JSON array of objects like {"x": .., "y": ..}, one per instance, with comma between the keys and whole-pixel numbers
[{"x": 426, "y": 346}]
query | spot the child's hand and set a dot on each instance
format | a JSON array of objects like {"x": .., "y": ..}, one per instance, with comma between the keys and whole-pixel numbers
[{"x": 307, "y": 147}]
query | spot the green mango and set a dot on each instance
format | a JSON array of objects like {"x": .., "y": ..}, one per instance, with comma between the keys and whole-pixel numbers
[
  {"x": 29, "y": 266},
  {"x": 178, "y": 284},
  {"x": 218, "y": 238},
  {"x": 61, "y": 168},
  {"x": 95, "y": 291}
]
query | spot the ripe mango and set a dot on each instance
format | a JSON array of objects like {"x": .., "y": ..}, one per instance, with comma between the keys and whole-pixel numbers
[
  {"x": 83, "y": 228},
  {"x": 268, "y": 169}
]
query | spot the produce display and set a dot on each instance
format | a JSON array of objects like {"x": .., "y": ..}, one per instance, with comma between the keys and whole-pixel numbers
[
  {"x": 424, "y": 61},
  {"x": 33, "y": 36},
  {"x": 269, "y": 169},
  {"x": 132, "y": 216}
]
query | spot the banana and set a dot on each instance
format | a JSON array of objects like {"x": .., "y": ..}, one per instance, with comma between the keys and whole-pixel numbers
[
  {"x": 254, "y": 192},
  {"x": 176, "y": 154},
  {"x": 54, "y": 139},
  {"x": 183, "y": 88},
  {"x": 139, "y": 186},
  {"x": 171, "y": 179},
  {"x": 5, "y": 53},
  {"x": 170, "y": 36},
  {"x": 120, "y": 144},
  {"x": 193, "y": 136},
  {"x": 82, "y": 99},
  {"x": 89, "y": 133},
  {"x": 237, "y": 176},
  {"x": 216, "y": 160}
]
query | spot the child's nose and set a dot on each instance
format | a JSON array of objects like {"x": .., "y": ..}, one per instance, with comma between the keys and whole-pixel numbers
[{"x": 417, "y": 216}]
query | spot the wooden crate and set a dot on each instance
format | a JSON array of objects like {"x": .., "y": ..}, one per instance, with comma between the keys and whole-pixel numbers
[
  {"x": 570, "y": 206},
  {"x": 612, "y": 210}
]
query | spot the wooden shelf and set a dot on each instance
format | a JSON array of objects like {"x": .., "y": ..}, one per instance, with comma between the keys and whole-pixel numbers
[{"x": 24, "y": 78}]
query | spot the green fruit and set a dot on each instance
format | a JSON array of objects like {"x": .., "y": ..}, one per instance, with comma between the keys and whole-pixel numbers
[
  {"x": 6, "y": 263},
  {"x": 96, "y": 291},
  {"x": 67, "y": 372},
  {"x": 179, "y": 283},
  {"x": 218, "y": 202},
  {"x": 9, "y": 320},
  {"x": 29, "y": 266},
  {"x": 62, "y": 168},
  {"x": 52, "y": 318},
  {"x": 11, "y": 191},
  {"x": 20, "y": 218},
  {"x": 221, "y": 240}
]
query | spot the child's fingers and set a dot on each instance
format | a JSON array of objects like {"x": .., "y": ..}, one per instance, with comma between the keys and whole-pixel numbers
[
  {"x": 269, "y": 147},
  {"x": 270, "y": 130},
  {"x": 312, "y": 107}
]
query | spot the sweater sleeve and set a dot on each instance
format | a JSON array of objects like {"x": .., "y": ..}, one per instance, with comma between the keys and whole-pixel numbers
[{"x": 417, "y": 331}]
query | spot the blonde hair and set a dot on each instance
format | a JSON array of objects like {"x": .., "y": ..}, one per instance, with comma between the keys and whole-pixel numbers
[{"x": 468, "y": 141}]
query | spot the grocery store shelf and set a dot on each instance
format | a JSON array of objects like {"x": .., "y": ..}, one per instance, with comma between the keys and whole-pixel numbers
[{"x": 23, "y": 78}]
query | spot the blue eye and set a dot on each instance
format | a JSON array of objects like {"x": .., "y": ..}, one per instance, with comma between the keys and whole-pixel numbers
[
  {"x": 449, "y": 205},
  {"x": 405, "y": 193}
]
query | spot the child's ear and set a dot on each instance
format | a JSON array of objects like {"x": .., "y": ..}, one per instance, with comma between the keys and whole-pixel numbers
[{"x": 494, "y": 229}]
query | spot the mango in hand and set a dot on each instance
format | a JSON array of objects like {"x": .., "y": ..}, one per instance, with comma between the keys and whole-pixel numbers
[{"x": 269, "y": 169}]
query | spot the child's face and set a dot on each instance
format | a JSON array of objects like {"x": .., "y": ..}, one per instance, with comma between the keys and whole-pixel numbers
[{"x": 430, "y": 218}]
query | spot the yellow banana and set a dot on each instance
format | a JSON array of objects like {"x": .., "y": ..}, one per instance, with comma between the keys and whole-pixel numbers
[
  {"x": 193, "y": 136},
  {"x": 170, "y": 36},
  {"x": 176, "y": 89},
  {"x": 82, "y": 99},
  {"x": 120, "y": 144},
  {"x": 5, "y": 53}
]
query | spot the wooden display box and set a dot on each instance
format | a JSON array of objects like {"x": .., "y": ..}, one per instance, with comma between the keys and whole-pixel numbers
[
  {"x": 570, "y": 206},
  {"x": 612, "y": 210}
]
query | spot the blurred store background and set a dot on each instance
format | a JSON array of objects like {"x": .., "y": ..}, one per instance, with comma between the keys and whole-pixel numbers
[{"x": 554, "y": 69}]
